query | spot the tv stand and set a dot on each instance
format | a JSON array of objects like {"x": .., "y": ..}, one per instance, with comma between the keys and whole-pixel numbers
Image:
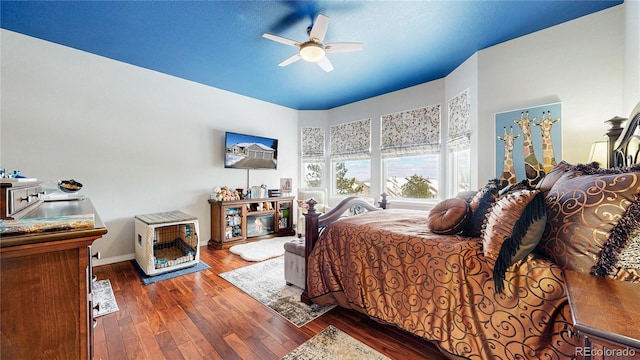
[{"x": 240, "y": 221}]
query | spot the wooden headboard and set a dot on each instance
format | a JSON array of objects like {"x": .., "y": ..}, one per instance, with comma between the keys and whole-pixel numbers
[{"x": 625, "y": 149}]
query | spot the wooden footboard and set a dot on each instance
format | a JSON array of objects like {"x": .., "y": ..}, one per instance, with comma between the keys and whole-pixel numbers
[{"x": 316, "y": 222}]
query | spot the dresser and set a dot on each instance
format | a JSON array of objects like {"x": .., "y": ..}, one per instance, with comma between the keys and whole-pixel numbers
[{"x": 45, "y": 288}]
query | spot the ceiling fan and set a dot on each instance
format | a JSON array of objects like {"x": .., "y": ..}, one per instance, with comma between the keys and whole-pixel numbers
[{"x": 313, "y": 50}]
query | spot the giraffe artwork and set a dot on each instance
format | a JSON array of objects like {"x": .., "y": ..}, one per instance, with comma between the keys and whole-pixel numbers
[
  {"x": 548, "y": 156},
  {"x": 508, "y": 170},
  {"x": 533, "y": 170}
]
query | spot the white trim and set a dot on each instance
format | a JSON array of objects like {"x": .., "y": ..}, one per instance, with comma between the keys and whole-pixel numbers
[{"x": 113, "y": 260}]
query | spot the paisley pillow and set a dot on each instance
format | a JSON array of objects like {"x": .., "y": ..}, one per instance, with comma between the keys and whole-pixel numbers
[
  {"x": 620, "y": 257},
  {"x": 583, "y": 207}
]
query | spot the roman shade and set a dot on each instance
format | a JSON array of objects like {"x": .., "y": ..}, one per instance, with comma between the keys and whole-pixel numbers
[
  {"x": 411, "y": 132},
  {"x": 459, "y": 135},
  {"x": 351, "y": 141},
  {"x": 312, "y": 144}
]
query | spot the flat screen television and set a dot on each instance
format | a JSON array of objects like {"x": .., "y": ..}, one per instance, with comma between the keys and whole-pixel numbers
[{"x": 244, "y": 151}]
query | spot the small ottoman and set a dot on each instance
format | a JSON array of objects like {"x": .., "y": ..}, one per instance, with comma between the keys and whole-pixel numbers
[{"x": 294, "y": 265}]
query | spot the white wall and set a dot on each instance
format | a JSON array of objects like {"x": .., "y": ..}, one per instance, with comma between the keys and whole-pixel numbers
[
  {"x": 632, "y": 55},
  {"x": 579, "y": 63},
  {"x": 140, "y": 141}
]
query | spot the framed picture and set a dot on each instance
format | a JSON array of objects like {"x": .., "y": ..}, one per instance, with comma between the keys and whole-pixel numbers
[
  {"x": 285, "y": 185},
  {"x": 542, "y": 145}
]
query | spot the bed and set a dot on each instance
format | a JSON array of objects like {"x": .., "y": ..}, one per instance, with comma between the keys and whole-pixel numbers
[{"x": 488, "y": 282}]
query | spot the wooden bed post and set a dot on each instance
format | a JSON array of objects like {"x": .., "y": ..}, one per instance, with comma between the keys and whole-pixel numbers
[
  {"x": 310, "y": 238},
  {"x": 313, "y": 223}
]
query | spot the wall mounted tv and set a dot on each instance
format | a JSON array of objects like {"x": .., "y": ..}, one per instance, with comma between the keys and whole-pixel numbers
[{"x": 244, "y": 151}]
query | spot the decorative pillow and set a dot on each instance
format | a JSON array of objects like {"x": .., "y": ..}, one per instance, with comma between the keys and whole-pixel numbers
[
  {"x": 621, "y": 252},
  {"x": 554, "y": 174},
  {"x": 522, "y": 185},
  {"x": 449, "y": 216},
  {"x": 467, "y": 195},
  {"x": 512, "y": 230},
  {"x": 627, "y": 267},
  {"x": 583, "y": 207},
  {"x": 480, "y": 206}
]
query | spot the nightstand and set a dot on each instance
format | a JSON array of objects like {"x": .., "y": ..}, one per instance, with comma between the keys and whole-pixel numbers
[{"x": 606, "y": 315}]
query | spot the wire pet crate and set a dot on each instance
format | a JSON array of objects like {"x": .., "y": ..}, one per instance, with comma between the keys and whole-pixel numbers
[{"x": 166, "y": 241}]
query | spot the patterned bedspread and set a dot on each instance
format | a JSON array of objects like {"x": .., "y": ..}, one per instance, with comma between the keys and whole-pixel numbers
[{"x": 388, "y": 265}]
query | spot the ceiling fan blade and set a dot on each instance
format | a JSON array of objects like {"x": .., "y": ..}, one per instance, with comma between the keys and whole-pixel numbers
[
  {"x": 280, "y": 39},
  {"x": 325, "y": 64},
  {"x": 319, "y": 29},
  {"x": 290, "y": 60},
  {"x": 343, "y": 47}
]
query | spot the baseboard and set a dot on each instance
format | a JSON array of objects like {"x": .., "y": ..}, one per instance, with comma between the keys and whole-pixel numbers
[{"x": 114, "y": 259}]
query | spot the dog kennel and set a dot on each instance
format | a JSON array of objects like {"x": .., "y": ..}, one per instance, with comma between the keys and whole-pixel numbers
[{"x": 166, "y": 241}]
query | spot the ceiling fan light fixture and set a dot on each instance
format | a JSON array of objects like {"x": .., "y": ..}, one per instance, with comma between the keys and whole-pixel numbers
[{"x": 311, "y": 51}]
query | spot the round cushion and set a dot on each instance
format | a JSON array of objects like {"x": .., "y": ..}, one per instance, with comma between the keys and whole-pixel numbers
[{"x": 449, "y": 216}]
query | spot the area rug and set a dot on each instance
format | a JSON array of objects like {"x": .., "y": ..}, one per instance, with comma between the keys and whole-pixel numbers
[
  {"x": 265, "y": 282},
  {"x": 261, "y": 250},
  {"x": 332, "y": 343},
  {"x": 146, "y": 279},
  {"x": 104, "y": 302}
]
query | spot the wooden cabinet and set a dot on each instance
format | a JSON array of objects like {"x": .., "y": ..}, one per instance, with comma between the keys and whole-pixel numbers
[
  {"x": 45, "y": 288},
  {"x": 239, "y": 221}
]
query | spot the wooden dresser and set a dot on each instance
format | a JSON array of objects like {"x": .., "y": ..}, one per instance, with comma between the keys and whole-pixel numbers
[{"x": 45, "y": 288}]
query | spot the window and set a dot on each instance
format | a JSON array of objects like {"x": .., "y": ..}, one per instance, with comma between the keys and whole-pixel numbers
[
  {"x": 313, "y": 173},
  {"x": 460, "y": 171},
  {"x": 312, "y": 157},
  {"x": 410, "y": 148},
  {"x": 412, "y": 176},
  {"x": 351, "y": 158},
  {"x": 352, "y": 177},
  {"x": 459, "y": 143}
]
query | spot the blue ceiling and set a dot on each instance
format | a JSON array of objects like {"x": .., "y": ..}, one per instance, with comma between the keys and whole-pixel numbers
[{"x": 219, "y": 43}]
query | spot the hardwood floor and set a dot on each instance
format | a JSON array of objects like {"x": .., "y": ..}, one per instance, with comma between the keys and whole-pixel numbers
[{"x": 202, "y": 316}]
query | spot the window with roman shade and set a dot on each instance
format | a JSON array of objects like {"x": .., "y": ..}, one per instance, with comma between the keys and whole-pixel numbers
[
  {"x": 459, "y": 143},
  {"x": 312, "y": 144},
  {"x": 459, "y": 122},
  {"x": 411, "y": 132},
  {"x": 351, "y": 141},
  {"x": 312, "y": 157}
]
